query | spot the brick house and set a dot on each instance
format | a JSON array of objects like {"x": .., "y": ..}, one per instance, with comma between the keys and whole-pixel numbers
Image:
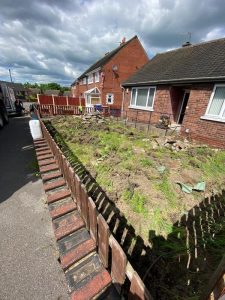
[
  {"x": 101, "y": 82},
  {"x": 187, "y": 85}
]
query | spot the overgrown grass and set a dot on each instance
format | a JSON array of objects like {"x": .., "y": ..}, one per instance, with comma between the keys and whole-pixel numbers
[{"x": 136, "y": 200}]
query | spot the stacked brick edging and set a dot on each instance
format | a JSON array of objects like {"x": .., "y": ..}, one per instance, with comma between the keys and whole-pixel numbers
[{"x": 97, "y": 227}]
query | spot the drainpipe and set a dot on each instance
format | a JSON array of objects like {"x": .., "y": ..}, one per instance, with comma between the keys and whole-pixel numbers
[{"x": 123, "y": 98}]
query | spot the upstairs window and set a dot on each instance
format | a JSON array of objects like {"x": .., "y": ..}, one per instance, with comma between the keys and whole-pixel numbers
[
  {"x": 143, "y": 97},
  {"x": 97, "y": 77},
  {"x": 90, "y": 78},
  {"x": 216, "y": 107},
  {"x": 84, "y": 80}
]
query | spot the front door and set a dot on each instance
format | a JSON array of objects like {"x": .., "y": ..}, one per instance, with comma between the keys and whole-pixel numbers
[{"x": 183, "y": 108}]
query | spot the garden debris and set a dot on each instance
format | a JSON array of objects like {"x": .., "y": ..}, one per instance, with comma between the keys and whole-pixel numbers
[
  {"x": 171, "y": 143},
  {"x": 200, "y": 187},
  {"x": 161, "y": 169}
]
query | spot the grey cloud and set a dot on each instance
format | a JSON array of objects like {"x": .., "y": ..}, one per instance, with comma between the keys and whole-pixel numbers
[{"x": 56, "y": 40}]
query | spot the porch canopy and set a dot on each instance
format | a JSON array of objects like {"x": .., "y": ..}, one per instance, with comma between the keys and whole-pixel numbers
[{"x": 92, "y": 96}]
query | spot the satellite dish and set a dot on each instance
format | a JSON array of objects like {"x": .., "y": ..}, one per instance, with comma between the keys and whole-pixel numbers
[{"x": 114, "y": 68}]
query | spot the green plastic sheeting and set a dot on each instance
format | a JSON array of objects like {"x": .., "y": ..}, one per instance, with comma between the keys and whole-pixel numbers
[{"x": 200, "y": 187}]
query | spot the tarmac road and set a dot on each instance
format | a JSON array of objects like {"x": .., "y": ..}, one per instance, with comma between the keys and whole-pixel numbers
[{"x": 29, "y": 269}]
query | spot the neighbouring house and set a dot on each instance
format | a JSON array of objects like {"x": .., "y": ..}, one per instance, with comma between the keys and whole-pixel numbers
[
  {"x": 19, "y": 90},
  {"x": 51, "y": 92},
  {"x": 33, "y": 92},
  {"x": 101, "y": 82},
  {"x": 188, "y": 86},
  {"x": 67, "y": 93}
]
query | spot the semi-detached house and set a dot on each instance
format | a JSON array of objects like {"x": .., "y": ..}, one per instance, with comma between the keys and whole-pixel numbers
[
  {"x": 187, "y": 85},
  {"x": 101, "y": 82}
]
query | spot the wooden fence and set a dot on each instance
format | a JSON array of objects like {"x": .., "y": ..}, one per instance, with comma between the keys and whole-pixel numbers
[
  {"x": 107, "y": 245},
  {"x": 60, "y": 100},
  {"x": 53, "y": 110}
]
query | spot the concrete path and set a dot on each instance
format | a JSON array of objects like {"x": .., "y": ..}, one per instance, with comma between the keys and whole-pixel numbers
[{"x": 28, "y": 253}]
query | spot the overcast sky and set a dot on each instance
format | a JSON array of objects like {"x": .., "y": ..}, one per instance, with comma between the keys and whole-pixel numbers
[{"x": 55, "y": 40}]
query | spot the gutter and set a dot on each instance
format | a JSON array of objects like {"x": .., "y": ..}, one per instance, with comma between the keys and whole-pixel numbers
[{"x": 174, "y": 81}]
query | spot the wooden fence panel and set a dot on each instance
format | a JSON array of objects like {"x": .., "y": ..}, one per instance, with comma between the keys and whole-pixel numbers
[
  {"x": 78, "y": 191},
  {"x": 84, "y": 205},
  {"x": 103, "y": 240},
  {"x": 93, "y": 219},
  {"x": 119, "y": 263},
  {"x": 138, "y": 290}
]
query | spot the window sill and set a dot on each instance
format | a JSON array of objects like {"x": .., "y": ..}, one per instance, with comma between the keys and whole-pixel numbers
[
  {"x": 215, "y": 119},
  {"x": 141, "y": 108}
]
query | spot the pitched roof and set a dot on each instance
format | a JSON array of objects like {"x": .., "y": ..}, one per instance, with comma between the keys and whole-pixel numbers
[
  {"x": 52, "y": 92},
  {"x": 15, "y": 86},
  {"x": 101, "y": 62},
  {"x": 203, "y": 62}
]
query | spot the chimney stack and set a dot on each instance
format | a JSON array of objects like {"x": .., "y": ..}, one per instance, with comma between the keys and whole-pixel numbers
[
  {"x": 186, "y": 44},
  {"x": 123, "y": 41}
]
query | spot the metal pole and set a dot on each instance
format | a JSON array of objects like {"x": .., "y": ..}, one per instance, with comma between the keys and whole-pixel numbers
[
  {"x": 149, "y": 121},
  {"x": 136, "y": 118},
  {"x": 10, "y": 75}
]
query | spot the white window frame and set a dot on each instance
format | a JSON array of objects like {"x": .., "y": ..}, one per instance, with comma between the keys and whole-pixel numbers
[
  {"x": 149, "y": 108},
  {"x": 112, "y": 98},
  {"x": 90, "y": 78},
  {"x": 97, "y": 78},
  {"x": 218, "y": 118}
]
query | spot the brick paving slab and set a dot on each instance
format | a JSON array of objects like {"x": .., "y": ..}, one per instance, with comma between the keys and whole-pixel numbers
[
  {"x": 74, "y": 247},
  {"x": 46, "y": 156},
  {"x": 54, "y": 184},
  {"x": 50, "y": 176},
  {"x": 40, "y": 153},
  {"x": 46, "y": 162},
  {"x": 41, "y": 147},
  {"x": 52, "y": 167},
  {"x": 39, "y": 140},
  {"x": 61, "y": 207},
  {"x": 87, "y": 279},
  {"x": 40, "y": 144},
  {"x": 40, "y": 150},
  {"x": 67, "y": 224},
  {"x": 58, "y": 195}
]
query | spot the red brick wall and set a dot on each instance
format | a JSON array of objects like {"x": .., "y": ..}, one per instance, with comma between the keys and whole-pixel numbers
[
  {"x": 162, "y": 105},
  {"x": 128, "y": 60},
  {"x": 209, "y": 132}
]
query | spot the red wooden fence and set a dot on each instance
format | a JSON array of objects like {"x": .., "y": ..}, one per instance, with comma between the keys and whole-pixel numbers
[{"x": 60, "y": 100}]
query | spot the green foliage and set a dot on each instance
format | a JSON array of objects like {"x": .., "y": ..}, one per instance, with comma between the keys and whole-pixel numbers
[
  {"x": 165, "y": 187},
  {"x": 136, "y": 200},
  {"x": 214, "y": 166},
  {"x": 47, "y": 86},
  {"x": 146, "y": 162}
]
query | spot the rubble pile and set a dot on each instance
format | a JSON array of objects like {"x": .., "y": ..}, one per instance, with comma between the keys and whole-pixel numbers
[
  {"x": 171, "y": 143},
  {"x": 94, "y": 117}
]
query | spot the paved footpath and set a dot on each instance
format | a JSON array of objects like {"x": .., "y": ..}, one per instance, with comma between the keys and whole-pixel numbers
[{"x": 28, "y": 254}]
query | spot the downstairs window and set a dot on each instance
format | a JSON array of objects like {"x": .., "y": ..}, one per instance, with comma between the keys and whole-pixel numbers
[
  {"x": 142, "y": 98},
  {"x": 216, "y": 106}
]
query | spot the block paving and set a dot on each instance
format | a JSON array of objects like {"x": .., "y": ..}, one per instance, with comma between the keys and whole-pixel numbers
[{"x": 85, "y": 274}]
